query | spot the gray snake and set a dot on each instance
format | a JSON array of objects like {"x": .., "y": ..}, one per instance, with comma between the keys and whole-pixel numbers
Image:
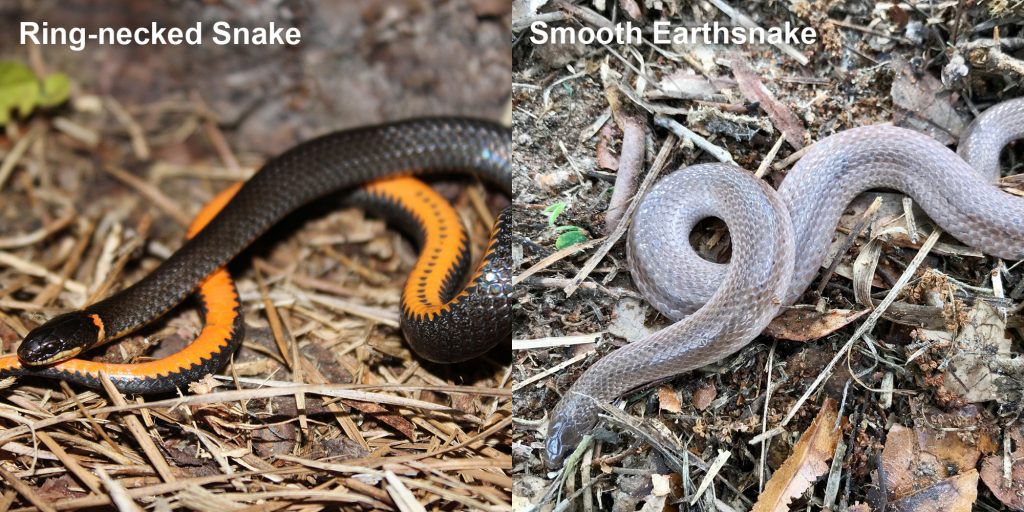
[{"x": 779, "y": 239}]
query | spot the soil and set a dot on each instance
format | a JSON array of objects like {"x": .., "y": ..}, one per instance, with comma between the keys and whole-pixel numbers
[
  {"x": 854, "y": 77},
  {"x": 151, "y": 133}
]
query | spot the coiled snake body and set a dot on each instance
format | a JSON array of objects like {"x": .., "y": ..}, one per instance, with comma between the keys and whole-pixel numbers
[
  {"x": 444, "y": 320},
  {"x": 779, "y": 240}
]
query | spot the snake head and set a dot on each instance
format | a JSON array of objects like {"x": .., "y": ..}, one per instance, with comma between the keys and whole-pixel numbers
[
  {"x": 572, "y": 418},
  {"x": 61, "y": 338},
  {"x": 558, "y": 444}
]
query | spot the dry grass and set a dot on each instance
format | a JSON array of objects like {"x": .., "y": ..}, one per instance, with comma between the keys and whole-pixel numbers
[{"x": 324, "y": 407}]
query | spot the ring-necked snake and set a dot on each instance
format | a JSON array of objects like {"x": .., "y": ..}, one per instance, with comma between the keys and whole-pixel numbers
[
  {"x": 779, "y": 240},
  {"x": 442, "y": 322}
]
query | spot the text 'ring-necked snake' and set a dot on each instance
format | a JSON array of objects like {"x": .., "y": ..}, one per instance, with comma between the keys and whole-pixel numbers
[
  {"x": 779, "y": 239},
  {"x": 441, "y": 321}
]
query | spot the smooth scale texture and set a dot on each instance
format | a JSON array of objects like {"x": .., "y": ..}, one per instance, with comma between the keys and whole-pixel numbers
[{"x": 779, "y": 240}]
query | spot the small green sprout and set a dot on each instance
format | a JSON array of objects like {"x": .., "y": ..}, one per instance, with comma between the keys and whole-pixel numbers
[
  {"x": 571, "y": 235},
  {"x": 23, "y": 91},
  {"x": 568, "y": 235},
  {"x": 553, "y": 212}
]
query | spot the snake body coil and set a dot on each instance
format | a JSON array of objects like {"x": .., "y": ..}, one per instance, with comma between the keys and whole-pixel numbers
[
  {"x": 779, "y": 240},
  {"x": 442, "y": 322}
]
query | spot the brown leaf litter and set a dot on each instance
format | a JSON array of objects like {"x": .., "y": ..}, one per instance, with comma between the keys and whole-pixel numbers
[
  {"x": 806, "y": 464},
  {"x": 1004, "y": 474},
  {"x": 926, "y": 468},
  {"x": 875, "y": 63},
  {"x": 324, "y": 407}
]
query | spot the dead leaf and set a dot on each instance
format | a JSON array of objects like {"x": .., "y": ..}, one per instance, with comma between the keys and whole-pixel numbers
[
  {"x": 685, "y": 84},
  {"x": 606, "y": 159},
  {"x": 809, "y": 324},
  {"x": 655, "y": 504},
  {"x": 383, "y": 414},
  {"x": 954, "y": 494},
  {"x": 204, "y": 385},
  {"x": 631, "y": 8},
  {"x": 704, "y": 395},
  {"x": 669, "y": 485},
  {"x": 808, "y": 461},
  {"x": 978, "y": 352},
  {"x": 7, "y": 336},
  {"x": 782, "y": 117},
  {"x": 527, "y": 490},
  {"x": 628, "y": 320},
  {"x": 668, "y": 400},
  {"x": 274, "y": 439},
  {"x": 662, "y": 484},
  {"x": 554, "y": 179},
  {"x": 60, "y": 488},
  {"x": 859, "y": 507},
  {"x": 919, "y": 458},
  {"x": 1010, "y": 493},
  {"x": 928, "y": 104}
]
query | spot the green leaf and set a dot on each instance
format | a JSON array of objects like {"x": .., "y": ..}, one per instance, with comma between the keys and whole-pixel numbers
[
  {"x": 19, "y": 89},
  {"x": 22, "y": 91},
  {"x": 553, "y": 212},
  {"x": 570, "y": 237},
  {"x": 56, "y": 89}
]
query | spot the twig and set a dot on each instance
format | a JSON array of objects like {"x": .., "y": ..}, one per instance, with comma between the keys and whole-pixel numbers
[
  {"x": 138, "y": 136},
  {"x": 51, "y": 291},
  {"x": 401, "y": 494},
  {"x": 591, "y": 264},
  {"x": 126, "y": 251},
  {"x": 868, "y": 324},
  {"x": 32, "y": 269},
  {"x": 164, "y": 488},
  {"x": 275, "y": 322},
  {"x": 12, "y": 158},
  {"x": 586, "y": 480},
  {"x": 793, "y": 157},
  {"x": 631, "y": 161},
  {"x": 867, "y": 30},
  {"x": 26, "y": 491},
  {"x": 140, "y": 433},
  {"x": 770, "y": 157},
  {"x": 83, "y": 134},
  {"x": 908, "y": 215},
  {"x": 550, "y": 371},
  {"x": 866, "y": 218},
  {"x": 764, "y": 418},
  {"x": 556, "y": 341},
  {"x": 745, "y": 21},
  {"x": 720, "y": 154},
  {"x": 40, "y": 234},
  {"x": 1005, "y": 62},
  {"x": 553, "y": 258},
  {"x": 150, "y": 192},
  {"x": 439, "y": 388},
  {"x": 118, "y": 494},
  {"x": 716, "y": 466},
  {"x": 70, "y": 462},
  {"x": 380, "y": 315}
]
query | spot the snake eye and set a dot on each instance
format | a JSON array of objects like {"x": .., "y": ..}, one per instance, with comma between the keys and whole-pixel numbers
[{"x": 49, "y": 346}]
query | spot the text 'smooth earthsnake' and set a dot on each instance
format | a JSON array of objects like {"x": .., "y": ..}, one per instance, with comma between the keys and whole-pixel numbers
[
  {"x": 442, "y": 322},
  {"x": 779, "y": 240}
]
